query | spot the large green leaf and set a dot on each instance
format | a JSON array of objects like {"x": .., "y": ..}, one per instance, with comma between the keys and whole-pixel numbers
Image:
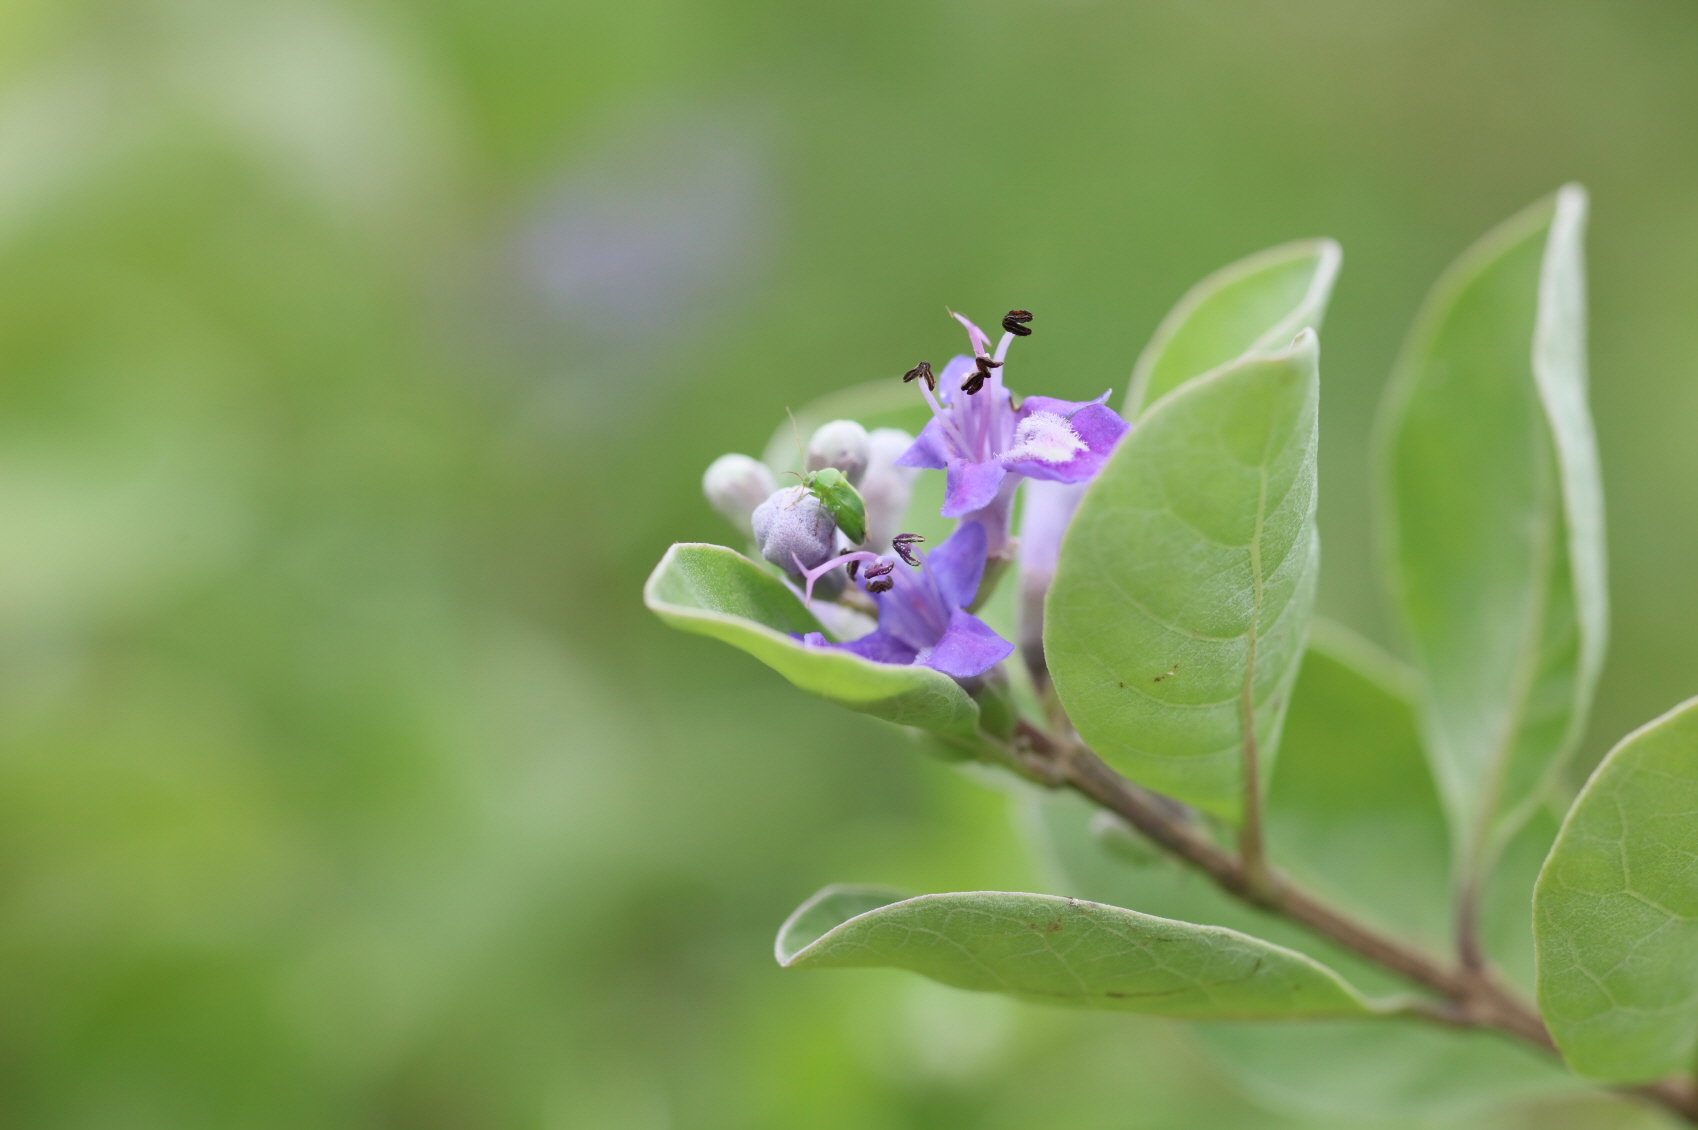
[
  {"x": 1064, "y": 951},
  {"x": 1493, "y": 533},
  {"x": 1354, "y": 815},
  {"x": 1393, "y": 1068},
  {"x": 714, "y": 591},
  {"x": 1254, "y": 305},
  {"x": 1182, "y": 596},
  {"x": 1615, "y": 913}
]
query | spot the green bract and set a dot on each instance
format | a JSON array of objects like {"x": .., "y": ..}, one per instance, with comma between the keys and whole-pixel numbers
[
  {"x": 714, "y": 591},
  {"x": 1616, "y": 910},
  {"x": 1063, "y": 951},
  {"x": 1182, "y": 597},
  {"x": 1493, "y": 530}
]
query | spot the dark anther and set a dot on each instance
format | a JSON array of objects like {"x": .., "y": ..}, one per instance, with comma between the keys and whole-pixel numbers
[
  {"x": 923, "y": 371},
  {"x": 883, "y": 584},
  {"x": 976, "y": 380},
  {"x": 903, "y": 544},
  {"x": 853, "y": 565},
  {"x": 880, "y": 568},
  {"x": 1014, "y": 322}
]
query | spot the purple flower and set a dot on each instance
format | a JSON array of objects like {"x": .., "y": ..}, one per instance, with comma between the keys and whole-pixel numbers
[
  {"x": 1049, "y": 509},
  {"x": 921, "y": 617},
  {"x": 984, "y": 444}
]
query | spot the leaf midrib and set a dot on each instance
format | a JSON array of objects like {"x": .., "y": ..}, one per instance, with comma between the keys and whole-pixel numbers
[
  {"x": 1247, "y": 695},
  {"x": 1480, "y": 849}
]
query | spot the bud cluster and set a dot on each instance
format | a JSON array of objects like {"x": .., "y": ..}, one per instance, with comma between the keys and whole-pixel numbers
[{"x": 812, "y": 520}]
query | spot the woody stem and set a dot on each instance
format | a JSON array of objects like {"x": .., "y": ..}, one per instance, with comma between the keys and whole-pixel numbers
[{"x": 1472, "y": 997}]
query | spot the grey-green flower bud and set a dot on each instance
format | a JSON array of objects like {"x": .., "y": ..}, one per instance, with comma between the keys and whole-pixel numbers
[
  {"x": 792, "y": 526},
  {"x": 886, "y": 488},
  {"x": 735, "y": 485},
  {"x": 842, "y": 444}
]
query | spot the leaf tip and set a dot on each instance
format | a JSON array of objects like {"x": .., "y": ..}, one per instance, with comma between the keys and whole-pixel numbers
[{"x": 828, "y": 908}]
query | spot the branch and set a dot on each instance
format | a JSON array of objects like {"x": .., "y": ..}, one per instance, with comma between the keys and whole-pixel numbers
[{"x": 1473, "y": 997}]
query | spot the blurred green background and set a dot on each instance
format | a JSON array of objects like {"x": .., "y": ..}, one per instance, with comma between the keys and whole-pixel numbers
[{"x": 359, "y": 358}]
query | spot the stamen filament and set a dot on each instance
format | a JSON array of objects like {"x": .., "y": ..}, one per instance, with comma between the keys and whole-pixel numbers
[
  {"x": 814, "y": 574},
  {"x": 1001, "y": 354},
  {"x": 946, "y": 418}
]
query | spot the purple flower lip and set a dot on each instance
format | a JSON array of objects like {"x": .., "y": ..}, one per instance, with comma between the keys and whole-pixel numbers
[
  {"x": 922, "y": 617},
  {"x": 981, "y": 438}
]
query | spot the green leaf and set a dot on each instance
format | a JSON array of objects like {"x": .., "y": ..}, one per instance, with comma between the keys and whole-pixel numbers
[
  {"x": 714, "y": 591},
  {"x": 827, "y": 910},
  {"x": 1493, "y": 532},
  {"x": 1254, "y": 305},
  {"x": 1384, "y": 1069},
  {"x": 1615, "y": 912},
  {"x": 1352, "y": 813},
  {"x": 1182, "y": 596},
  {"x": 1063, "y": 951}
]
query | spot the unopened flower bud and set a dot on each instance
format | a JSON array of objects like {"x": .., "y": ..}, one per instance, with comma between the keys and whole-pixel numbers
[
  {"x": 842, "y": 444},
  {"x": 886, "y": 488},
  {"x": 735, "y": 485},
  {"x": 792, "y": 526}
]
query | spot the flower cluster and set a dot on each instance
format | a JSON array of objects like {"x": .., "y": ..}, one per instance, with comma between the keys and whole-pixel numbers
[{"x": 986, "y": 445}]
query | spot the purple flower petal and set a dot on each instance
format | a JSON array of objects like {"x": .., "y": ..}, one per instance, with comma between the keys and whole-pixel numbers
[
  {"x": 1032, "y": 404},
  {"x": 957, "y": 566},
  {"x": 930, "y": 451},
  {"x": 967, "y": 648},
  {"x": 1094, "y": 422},
  {"x": 913, "y": 611},
  {"x": 970, "y": 486},
  {"x": 881, "y": 647},
  {"x": 952, "y": 376}
]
